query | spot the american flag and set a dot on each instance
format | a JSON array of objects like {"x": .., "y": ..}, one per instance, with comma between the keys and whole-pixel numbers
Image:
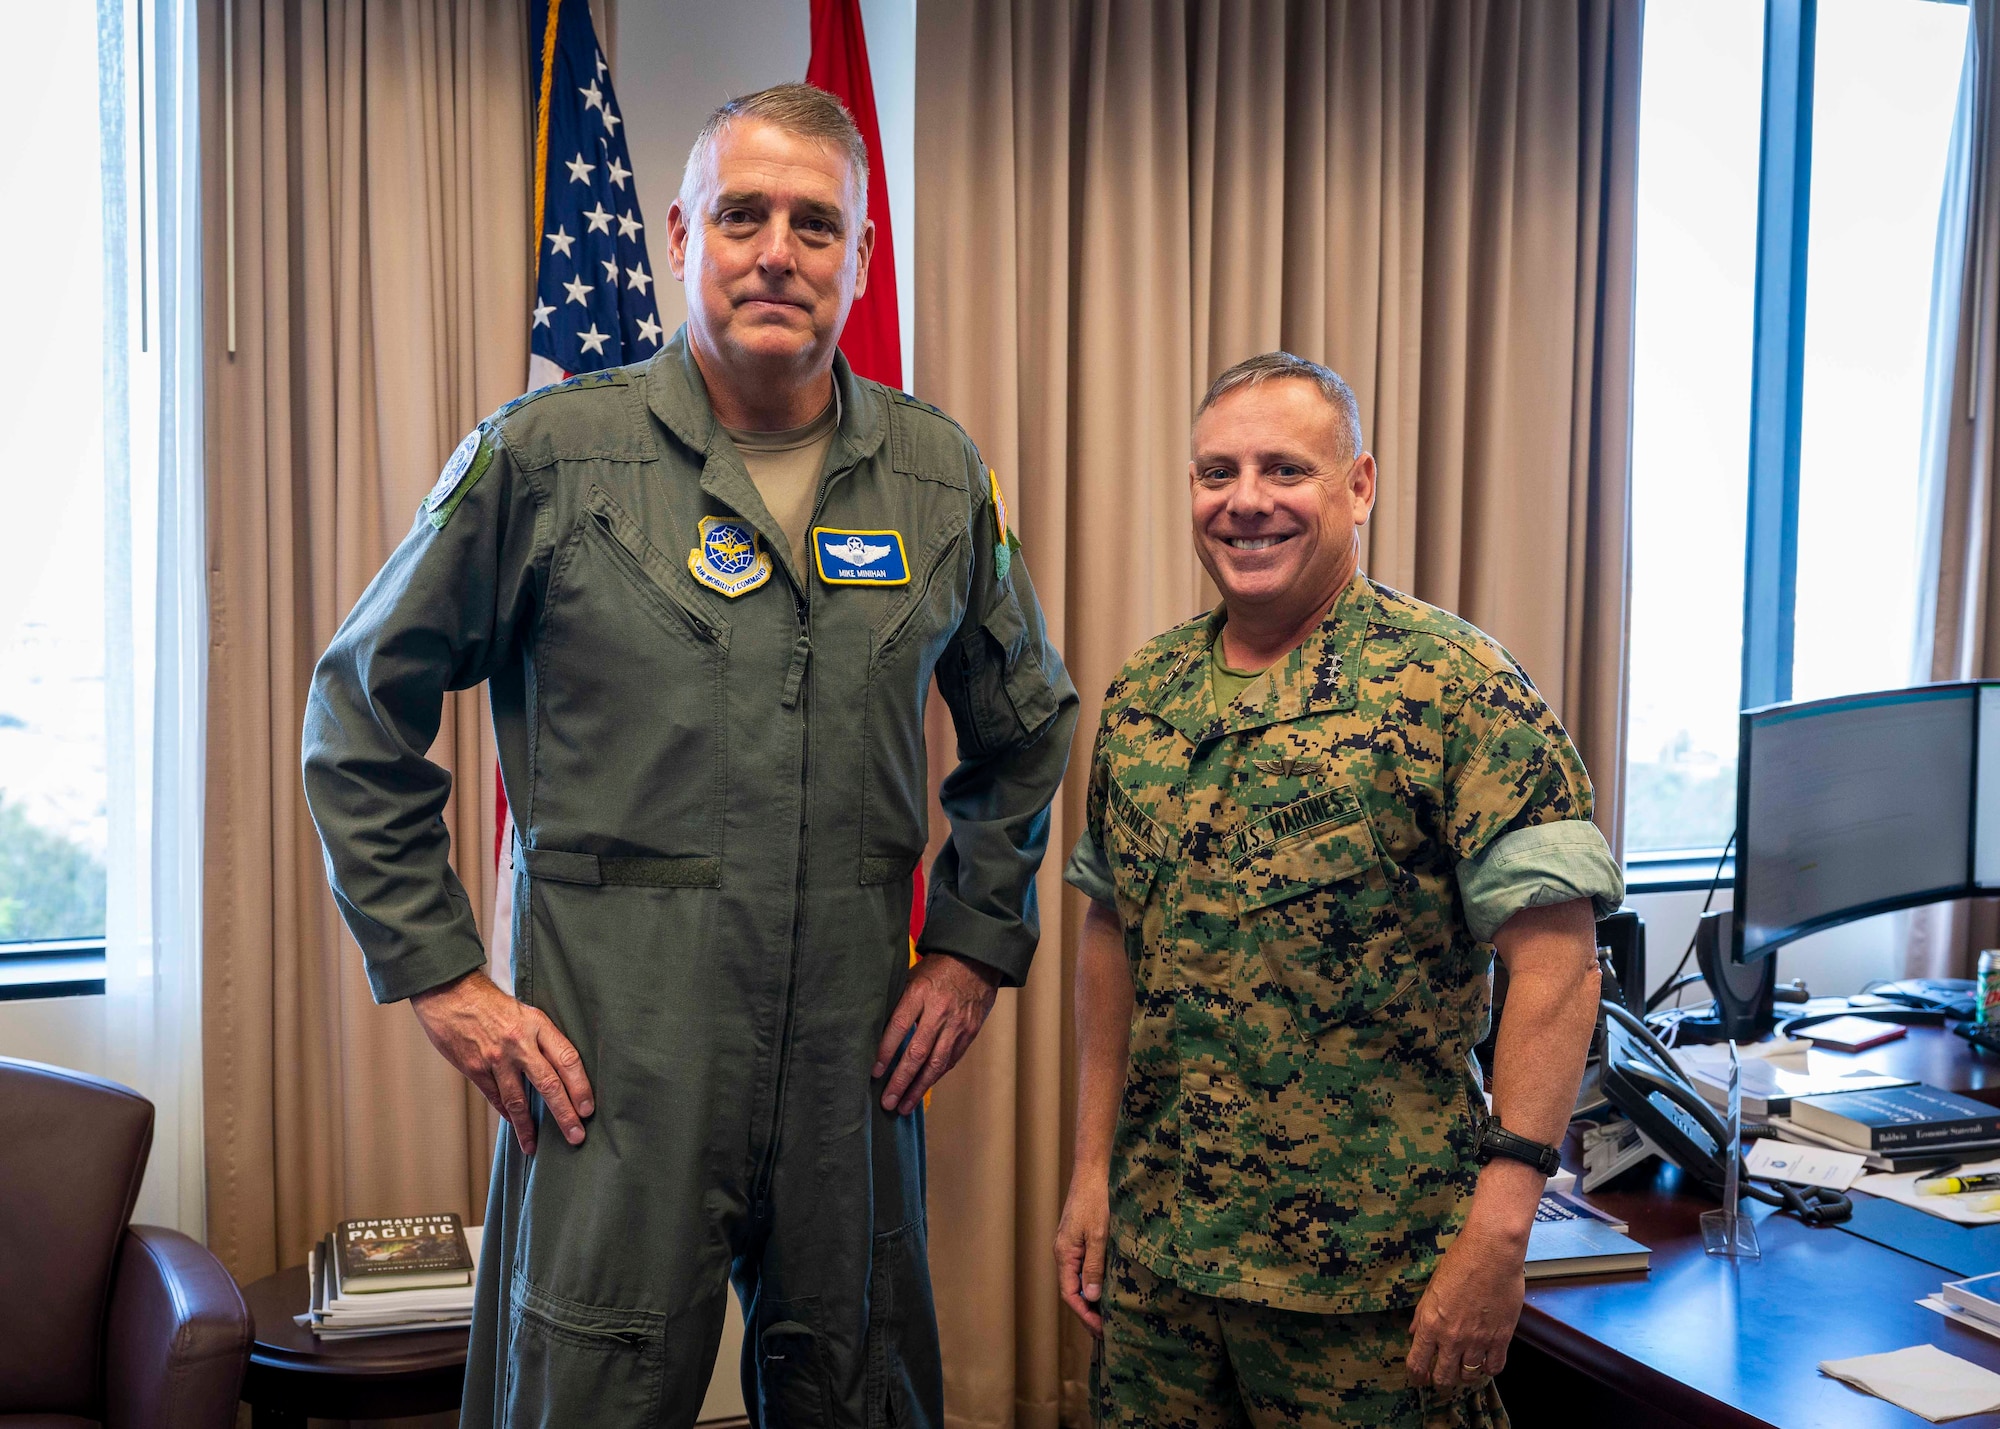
[{"x": 594, "y": 300}]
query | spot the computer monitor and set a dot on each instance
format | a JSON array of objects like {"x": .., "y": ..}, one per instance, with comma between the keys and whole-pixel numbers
[{"x": 1857, "y": 805}]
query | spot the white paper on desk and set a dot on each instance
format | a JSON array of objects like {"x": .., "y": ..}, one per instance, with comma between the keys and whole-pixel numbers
[
  {"x": 1922, "y": 1379},
  {"x": 1803, "y": 1165},
  {"x": 1903, "y": 1187}
]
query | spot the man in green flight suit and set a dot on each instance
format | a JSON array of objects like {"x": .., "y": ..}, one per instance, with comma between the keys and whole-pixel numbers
[
  {"x": 710, "y": 593},
  {"x": 1314, "y": 816}
]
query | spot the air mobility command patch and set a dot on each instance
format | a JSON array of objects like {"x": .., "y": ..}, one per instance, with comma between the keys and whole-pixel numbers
[
  {"x": 860, "y": 557},
  {"x": 460, "y": 475},
  {"x": 729, "y": 556}
]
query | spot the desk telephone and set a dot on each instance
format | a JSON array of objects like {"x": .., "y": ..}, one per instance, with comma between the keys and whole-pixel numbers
[{"x": 1640, "y": 1078}]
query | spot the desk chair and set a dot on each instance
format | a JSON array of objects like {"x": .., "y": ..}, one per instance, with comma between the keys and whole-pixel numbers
[{"x": 103, "y": 1324}]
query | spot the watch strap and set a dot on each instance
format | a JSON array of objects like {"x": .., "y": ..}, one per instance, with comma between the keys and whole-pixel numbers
[{"x": 1496, "y": 1140}]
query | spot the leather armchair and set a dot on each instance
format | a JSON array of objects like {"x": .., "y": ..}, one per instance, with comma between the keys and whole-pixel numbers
[{"x": 103, "y": 1324}]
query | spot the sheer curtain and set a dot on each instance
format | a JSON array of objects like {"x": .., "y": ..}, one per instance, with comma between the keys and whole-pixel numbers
[
  {"x": 1958, "y": 635},
  {"x": 155, "y": 591}
]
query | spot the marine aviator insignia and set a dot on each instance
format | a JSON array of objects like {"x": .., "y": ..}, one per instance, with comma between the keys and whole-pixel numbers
[
  {"x": 860, "y": 557},
  {"x": 729, "y": 556},
  {"x": 1288, "y": 768}
]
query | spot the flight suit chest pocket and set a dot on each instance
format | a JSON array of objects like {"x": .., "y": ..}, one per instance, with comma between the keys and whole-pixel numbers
[
  {"x": 630, "y": 750},
  {"x": 1315, "y": 894},
  {"x": 904, "y": 648}
]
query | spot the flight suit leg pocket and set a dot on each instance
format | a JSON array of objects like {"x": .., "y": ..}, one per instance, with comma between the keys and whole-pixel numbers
[
  {"x": 570, "y": 1363},
  {"x": 902, "y": 1336},
  {"x": 794, "y": 1378}
]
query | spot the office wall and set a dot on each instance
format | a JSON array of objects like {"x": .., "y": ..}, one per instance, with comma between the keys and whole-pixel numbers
[{"x": 1836, "y": 963}]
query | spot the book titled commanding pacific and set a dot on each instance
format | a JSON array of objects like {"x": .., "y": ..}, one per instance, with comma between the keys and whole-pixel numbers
[
  {"x": 402, "y": 1253},
  {"x": 1898, "y": 1118}
]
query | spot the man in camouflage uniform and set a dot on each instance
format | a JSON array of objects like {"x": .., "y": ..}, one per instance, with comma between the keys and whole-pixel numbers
[{"x": 1314, "y": 816}]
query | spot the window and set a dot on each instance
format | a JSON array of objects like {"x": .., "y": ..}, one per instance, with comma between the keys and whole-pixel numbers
[
  {"x": 52, "y": 488},
  {"x": 1792, "y": 159}
]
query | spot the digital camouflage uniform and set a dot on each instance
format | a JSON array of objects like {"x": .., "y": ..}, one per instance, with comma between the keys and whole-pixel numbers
[
  {"x": 716, "y": 762},
  {"x": 1301, "y": 1106}
]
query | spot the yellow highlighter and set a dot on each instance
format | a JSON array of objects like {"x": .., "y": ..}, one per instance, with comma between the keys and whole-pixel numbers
[{"x": 1959, "y": 1185}]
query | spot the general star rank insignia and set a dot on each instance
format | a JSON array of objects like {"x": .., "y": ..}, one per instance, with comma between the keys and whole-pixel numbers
[{"x": 729, "y": 556}]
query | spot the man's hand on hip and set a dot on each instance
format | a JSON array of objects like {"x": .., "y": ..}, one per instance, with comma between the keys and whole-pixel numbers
[
  {"x": 503, "y": 1047},
  {"x": 944, "y": 1005},
  {"x": 1463, "y": 1324}
]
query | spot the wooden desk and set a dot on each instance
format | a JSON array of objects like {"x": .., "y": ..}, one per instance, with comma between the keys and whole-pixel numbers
[{"x": 1705, "y": 1342}]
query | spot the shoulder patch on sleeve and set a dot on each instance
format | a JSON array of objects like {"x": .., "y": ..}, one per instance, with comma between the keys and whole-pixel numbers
[{"x": 468, "y": 463}]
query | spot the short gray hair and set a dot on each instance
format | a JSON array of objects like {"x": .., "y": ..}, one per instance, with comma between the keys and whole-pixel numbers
[
  {"x": 802, "y": 109},
  {"x": 1271, "y": 366}
]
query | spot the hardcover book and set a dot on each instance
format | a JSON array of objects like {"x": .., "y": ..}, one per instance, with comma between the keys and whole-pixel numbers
[
  {"x": 1575, "y": 1238},
  {"x": 401, "y": 1253},
  {"x": 1898, "y": 1119}
]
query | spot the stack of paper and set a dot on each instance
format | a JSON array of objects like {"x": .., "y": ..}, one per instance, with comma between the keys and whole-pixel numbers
[{"x": 351, "y": 1316}]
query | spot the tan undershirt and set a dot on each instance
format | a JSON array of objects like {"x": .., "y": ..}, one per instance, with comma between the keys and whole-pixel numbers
[{"x": 785, "y": 467}]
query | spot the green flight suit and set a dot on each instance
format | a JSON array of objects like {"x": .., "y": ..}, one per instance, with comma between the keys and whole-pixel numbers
[{"x": 720, "y": 800}]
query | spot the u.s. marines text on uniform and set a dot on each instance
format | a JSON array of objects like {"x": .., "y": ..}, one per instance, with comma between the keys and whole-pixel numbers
[
  {"x": 715, "y": 755},
  {"x": 1308, "y": 813}
]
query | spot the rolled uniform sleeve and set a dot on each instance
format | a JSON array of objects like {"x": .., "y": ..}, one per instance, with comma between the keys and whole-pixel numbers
[
  {"x": 1015, "y": 710},
  {"x": 1089, "y": 871},
  {"x": 441, "y": 615},
  {"x": 1517, "y": 810}
]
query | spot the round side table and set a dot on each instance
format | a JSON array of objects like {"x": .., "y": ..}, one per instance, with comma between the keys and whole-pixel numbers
[{"x": 294, "y": 1374}]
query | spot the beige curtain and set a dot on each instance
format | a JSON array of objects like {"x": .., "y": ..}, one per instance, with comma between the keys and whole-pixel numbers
[
  {"x": 379, "y": 280},
  {"x": 1116, "y": 200},
  {"x": 1958, "y": 635}
]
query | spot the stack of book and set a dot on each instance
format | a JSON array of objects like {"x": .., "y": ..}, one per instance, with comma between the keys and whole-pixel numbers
[
  {"x": 391, "y": 1275},
  {"x": 1903, "y": 1128}
]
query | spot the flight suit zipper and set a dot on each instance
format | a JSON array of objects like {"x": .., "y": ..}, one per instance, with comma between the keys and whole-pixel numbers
[{"x": 794, "y": 694}]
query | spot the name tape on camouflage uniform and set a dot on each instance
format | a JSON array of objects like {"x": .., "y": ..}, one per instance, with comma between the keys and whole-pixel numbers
[
  {"x": 729, "y": 557},
  {"x": 860, "y": 557}
]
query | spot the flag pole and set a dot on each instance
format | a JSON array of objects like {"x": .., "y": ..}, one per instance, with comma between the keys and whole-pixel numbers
[{"x": 542, "y": 135}]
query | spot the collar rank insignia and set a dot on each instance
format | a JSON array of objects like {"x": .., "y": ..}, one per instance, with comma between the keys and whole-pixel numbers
[
  {"x": 860, "y": 557},
  {"x": 1287, "y": 768},
  {"x": 729, "y": 556}
]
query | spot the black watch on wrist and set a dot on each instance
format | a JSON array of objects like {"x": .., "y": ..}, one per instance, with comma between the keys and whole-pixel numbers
[{"x": 1495, "y": 1140}]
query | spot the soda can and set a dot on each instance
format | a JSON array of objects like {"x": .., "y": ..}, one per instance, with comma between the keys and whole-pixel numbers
[{"x": 1989, "y": 988}]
